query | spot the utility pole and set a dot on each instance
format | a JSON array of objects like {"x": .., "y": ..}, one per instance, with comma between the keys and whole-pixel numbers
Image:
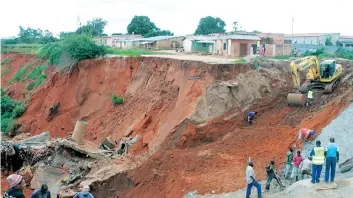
[
  {"x": 79, "y": 23},
  {"x": 292, "y": 27}
]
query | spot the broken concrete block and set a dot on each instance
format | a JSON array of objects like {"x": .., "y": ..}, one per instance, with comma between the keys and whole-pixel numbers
[
  {"x": 50, "y": 176},
  {"x": 38, "y": 139}
]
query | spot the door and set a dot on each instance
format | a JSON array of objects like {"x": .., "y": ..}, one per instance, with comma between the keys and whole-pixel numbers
[{"x": 243, "y": 49}]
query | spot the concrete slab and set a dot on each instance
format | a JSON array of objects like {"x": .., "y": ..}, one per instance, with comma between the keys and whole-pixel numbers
[{"x": 50, "y": 176}]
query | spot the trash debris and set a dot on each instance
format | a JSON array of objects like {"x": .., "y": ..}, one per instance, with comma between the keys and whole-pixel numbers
[{"x": 125, "y": 143}]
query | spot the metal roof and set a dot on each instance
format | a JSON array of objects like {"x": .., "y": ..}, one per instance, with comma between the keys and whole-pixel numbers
[
  {"x": 155, "y": 38},
  {"x": 240, "y": 37},
  {"x": 204, "y": 41},
  {"x": 200, "y": 37}
]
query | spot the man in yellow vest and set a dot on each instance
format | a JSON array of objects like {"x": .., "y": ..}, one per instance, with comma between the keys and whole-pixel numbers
[
  {"x": 318, "y": 155},
  {"x": 310, "y": 98}
]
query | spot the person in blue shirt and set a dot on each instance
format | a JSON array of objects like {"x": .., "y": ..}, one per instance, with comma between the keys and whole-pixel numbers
[
  {"x": 250, "y": 117},
  {"x": 332, "y": 157},
  {"x": 85, "y": 193}
]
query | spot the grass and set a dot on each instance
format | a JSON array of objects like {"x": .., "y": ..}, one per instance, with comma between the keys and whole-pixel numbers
[
  {"x": 5, "y": 61},
  {"x": 117, "y": 100},
  {"x": 132, "y": 52},
  {"x": 240, "y": 60},
  {"x": 282, "y": 57},
  {"x": 6, "y": 70},
  {"x": 20, "y": 74},
  {"x": 23, "y": 48},
  {"x": 37, "y": 76}
]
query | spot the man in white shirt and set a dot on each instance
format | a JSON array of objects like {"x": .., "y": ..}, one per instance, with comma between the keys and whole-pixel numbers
[
  {"x": 305, "y": 167},
  {"x": 251, "y": 181}
]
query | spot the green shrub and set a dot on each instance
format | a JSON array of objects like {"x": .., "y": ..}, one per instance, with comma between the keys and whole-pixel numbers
[
  {"x": 82, "y": 47},
  {"x": 7, "y": 104},
  {"x": 7, "y": 124},
  {"x": 31, "y": 85},
  {"x": 117, "y": 100},
  {"x": 10, "y": 109},
  {"x": 78, "y": 47},
  {"x": 6, "y": 70},
  {"x": 5, "y": 61},
  {"x": 20, "y": 74},
  {"x": 19, "y": 109},
  {"x": 34, "y": 84},
  {"x": 343, "y": 53},
  {"x": 52, "y": 52},
  {"x": 36, "y": 72}
]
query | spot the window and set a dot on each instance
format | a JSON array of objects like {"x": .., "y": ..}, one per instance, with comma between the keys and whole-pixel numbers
[
  {"x": 224, "y": 46},
  {"x": 203, "y": 44}
]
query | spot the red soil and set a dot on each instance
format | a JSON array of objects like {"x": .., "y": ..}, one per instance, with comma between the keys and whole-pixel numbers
[
  {"x": 220, "y": 165},
  {"x": 158, "y": 98}
]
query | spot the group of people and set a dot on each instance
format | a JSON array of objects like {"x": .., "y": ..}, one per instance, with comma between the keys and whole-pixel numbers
[
  {"x": 17, "y": 185},
  {"x": 297, "y": 167}
]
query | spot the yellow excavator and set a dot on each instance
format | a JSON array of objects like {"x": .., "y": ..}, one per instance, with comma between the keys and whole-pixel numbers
[{"x": 323, "y": 76}]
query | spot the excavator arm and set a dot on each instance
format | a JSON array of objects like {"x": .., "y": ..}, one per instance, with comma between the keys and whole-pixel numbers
[{"x": 298, "y": 66}]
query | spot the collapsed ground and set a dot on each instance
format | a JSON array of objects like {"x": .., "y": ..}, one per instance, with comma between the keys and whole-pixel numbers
[{"x": 189, "y": 115}]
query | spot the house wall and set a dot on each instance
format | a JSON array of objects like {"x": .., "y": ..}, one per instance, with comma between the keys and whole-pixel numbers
[
  {"x": 187, "y": 45},
  {"x": 202, "y": 47},
  {"x": 235, "y": 47},
  {"x": 314, "y": 40},
  {"x": 218, "y": 49},
  {"x": 277, "y": 39},
  {"x": 168, "y": 43}
]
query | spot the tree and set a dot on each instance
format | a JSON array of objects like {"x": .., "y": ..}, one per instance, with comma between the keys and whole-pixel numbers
[
  {"x": 236, "y": 27},
  {"x": 116, "y": 34},
  {"x": 159, "y": 33},
  {"x": 64, "y": 35},
  {"x": 210, "y": 25},
  {"x": 339, "y": 44},
  {"x": 93, "y": 28},
  {"x": 141, "y": 25},
  {"x": 328, "y": 41},
  {"x": 31, "y": 35}
]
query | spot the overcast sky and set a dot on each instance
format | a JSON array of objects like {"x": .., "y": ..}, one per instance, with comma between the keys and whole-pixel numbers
[{"x": 180, "y": 16}]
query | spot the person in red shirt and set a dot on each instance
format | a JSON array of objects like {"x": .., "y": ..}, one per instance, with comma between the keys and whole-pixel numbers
[
  {"x": 306, "y": 134},
  {"x": 297, "y": 160}
]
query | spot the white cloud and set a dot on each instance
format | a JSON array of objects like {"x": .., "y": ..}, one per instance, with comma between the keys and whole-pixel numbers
[{"x": 182, "y": 16}]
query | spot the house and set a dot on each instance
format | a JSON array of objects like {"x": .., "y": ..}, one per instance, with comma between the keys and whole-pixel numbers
[
  {"x": 157, "y": 42},
  {"x": 235, "y": 45},
  {"x": 197, "y": 44},
  {"x": 117, "y": 41},
  {"x": 312, "y": 38},
  {"x": 347, "y": 41},
  {"x": 275, "y": 44}
]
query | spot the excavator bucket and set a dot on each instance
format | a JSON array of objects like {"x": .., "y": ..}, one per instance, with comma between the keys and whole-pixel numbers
[{"x": 295, "y": 99}]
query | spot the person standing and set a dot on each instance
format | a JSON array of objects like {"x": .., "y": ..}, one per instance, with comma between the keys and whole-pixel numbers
[
  {"x": 43, "y": 192},
  {"x": 305, "y": 167},
  {"x": 264, "y": 49},
  {"x": 272, "y": 174},
  {"x": 85, "y": 193},
  {"x": 17, "y": 184},
  {"x": 251, "y": 181},
  {"x": 297, "y": 160},
  {"x": 332, "y": 157},
  {"x": 289, "y": 163},
  {"x": 318, "y": 155},
  {"x": 310, "y": 98}
]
